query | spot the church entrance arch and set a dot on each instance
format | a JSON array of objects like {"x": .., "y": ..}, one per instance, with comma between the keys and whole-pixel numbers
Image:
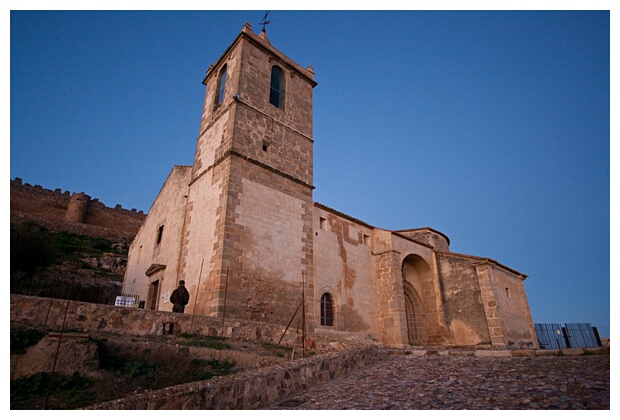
[
  {"x": 416, "y": 281},
  {"x": 416, "y": 328}
]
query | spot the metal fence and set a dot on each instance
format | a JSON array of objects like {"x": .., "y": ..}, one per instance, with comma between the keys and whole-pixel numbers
[
  {"x": 51, "y": 286},
  {"x": 582, "y": 335},
  {"x": 556, "y": 336}
]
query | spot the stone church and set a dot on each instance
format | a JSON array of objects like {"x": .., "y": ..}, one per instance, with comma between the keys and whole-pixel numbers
[{"x": 241, "y": 228}]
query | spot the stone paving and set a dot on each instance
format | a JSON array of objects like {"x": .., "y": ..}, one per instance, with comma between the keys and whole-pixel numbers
[{"x": 409, "y": 382}]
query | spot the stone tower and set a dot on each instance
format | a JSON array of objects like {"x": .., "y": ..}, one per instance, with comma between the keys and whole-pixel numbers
[
  {"x": 247, "y": 236},
  {"x": 77, "y": 208}
]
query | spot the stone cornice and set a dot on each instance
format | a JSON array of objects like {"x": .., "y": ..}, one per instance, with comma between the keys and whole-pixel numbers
[{"x": 235, "y": 153}]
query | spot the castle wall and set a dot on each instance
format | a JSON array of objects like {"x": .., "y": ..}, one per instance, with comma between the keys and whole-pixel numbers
[
  {"x": 344, "y": 268},
  {"x": 78, "y": 208},
  {"x": 76, "y": 212},
  {"x": 36, "y": 200}
]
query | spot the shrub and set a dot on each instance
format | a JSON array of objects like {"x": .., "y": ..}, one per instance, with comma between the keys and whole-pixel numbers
[
  {"x": 131, "y": 369},
  {"x": 22, "y": 339},
  {"x": 44, "y": 383},
  {"x": 31, "y": 248},
  {"x": 195, "y": 340}
]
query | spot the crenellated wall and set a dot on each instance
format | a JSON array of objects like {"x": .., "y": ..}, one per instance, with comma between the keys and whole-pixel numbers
[{"x": 72, "y": 212}]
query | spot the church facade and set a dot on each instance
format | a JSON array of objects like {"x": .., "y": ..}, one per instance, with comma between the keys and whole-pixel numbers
[{"x": 241, "y": 229}]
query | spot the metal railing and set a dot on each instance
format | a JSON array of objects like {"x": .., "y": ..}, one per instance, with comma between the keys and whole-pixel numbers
[{"x": 54, "y": 287}]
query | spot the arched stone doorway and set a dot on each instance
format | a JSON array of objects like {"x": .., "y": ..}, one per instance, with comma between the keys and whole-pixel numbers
[
  {"x": 417, "y": 289},
  {"x": 416, "y": 327}
]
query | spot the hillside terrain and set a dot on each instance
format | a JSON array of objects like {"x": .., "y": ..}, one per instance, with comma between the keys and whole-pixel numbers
[{"x": 96, "y": 367}]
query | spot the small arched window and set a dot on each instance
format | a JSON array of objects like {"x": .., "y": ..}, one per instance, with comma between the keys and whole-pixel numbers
[
  {"x": 276, "y": 93},
  {"x": 327, "y": 310},
  {"x": 221, "y": 84}
]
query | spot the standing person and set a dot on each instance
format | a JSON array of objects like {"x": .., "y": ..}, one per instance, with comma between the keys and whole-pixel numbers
[{"x": 179, "y": 298}]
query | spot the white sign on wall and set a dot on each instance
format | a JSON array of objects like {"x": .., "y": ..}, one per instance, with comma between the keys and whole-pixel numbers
[{"x": 125, "y": 301}]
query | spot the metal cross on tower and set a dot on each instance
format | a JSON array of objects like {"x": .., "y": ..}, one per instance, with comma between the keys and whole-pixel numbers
[{"x": 265, "y": 22}]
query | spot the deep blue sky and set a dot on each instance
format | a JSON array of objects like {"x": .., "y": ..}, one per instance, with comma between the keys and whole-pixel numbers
[{"x": 491, "y": 127}]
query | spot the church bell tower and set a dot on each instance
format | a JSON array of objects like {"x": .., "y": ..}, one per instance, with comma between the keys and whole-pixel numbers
[{"x": 247, "y": 239}]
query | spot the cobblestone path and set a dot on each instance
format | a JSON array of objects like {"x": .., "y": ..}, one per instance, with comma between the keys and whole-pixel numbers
[{"x": 406, "y": 382}]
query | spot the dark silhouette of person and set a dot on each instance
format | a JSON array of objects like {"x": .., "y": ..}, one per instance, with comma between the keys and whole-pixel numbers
[{"x": 179, "y": 298}]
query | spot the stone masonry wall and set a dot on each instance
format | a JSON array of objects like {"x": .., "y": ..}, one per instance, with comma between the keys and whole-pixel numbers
[
  {"x": 427, "y": 236},
  {"x": 462, "y": 306},
  {"x": 57, "y": 210},
  {"x": 84, "y": 317},
  {"x": 345, "y": 271},
  {"x": 253, "y": 389},
  {"x": 389, "y": 294},
  {"x": 252, "y": 233}
]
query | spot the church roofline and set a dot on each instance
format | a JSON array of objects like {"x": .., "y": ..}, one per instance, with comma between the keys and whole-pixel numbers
[
  {"x": 341, "y": 214},
  {"x": 399, "y": 233},
  {"x": 247, "y": 33},
  {"x": 175, "y": 168},
  {"x": 424, "y": 228},
  {"x": 361, "y": 222},
  {"x": 484, "y": 260}
]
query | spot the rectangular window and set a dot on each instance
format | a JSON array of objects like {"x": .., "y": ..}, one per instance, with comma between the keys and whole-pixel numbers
[
  {"x": 323, "y": 223},
  {"x": 221, "y": 84},
  {"x": 366, "y": 240},
  {"x": 327, "y": 310},
  {"x": 276, "y": 91},
  {"x": 160, "y": 232}
]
